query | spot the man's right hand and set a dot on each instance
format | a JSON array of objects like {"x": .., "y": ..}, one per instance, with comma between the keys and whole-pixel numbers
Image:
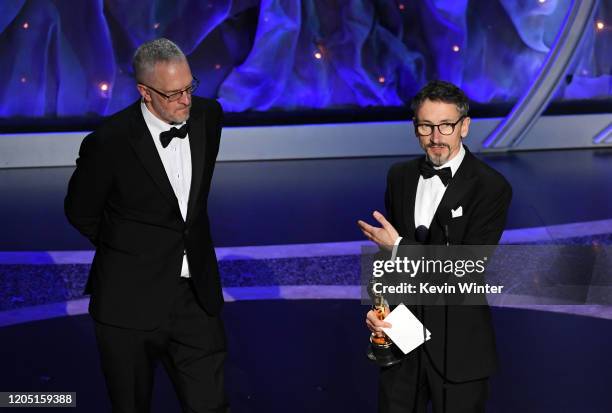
[
  {"x": 384, "y": 236},
  {"x": 374, "y": 324}
]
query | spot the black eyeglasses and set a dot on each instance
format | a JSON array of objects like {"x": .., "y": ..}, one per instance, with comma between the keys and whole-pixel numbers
[
  {"x": 173, "y": 97},
  {"x": 426, "y": 129}
]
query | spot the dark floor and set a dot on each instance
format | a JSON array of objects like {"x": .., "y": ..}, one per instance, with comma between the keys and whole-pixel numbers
[
  {"x": 284, "y": 202},
  {"x": 549, "y": 362}
]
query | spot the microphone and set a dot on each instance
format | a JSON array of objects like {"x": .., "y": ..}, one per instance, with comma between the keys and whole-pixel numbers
[
  {"x": 446, "y": 235},
  {"x": 421, "y": 233}
]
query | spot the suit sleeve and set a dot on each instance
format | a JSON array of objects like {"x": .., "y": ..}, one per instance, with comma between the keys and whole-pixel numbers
[
  {"x": 88, "y": 188},
  {"x": 392, "y": 187},
  {"x": 220, "y": 117},
  {"x": 391, "y": 196},
  {"x": 489, "y": 218},
  {"x": 388, "y": 201},
  {"x": 391, "y": 212},
  {"x": 219, "y": 109}
]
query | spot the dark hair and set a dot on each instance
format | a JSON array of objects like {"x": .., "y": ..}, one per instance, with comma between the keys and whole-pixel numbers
[{"x": 441, "y": 91}]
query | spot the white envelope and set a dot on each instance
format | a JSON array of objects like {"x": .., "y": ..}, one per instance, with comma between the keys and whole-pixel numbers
[
  {"x": 456, "y": 213},
  {"x": 407, "y": 332}
]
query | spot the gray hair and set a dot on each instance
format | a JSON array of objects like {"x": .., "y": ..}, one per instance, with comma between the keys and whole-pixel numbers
[{"x": 155, "y": 51}]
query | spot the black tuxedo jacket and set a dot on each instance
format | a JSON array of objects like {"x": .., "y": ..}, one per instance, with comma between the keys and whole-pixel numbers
[
  {"x": 121, "y": 199},
  {"x": 484, "y": 195}
]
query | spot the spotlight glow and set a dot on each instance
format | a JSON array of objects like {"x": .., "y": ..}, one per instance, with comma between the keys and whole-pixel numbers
[
  {"x": 217, "y": 66},
  {"x": 156, "y": 26},
  {"x": 456, "y": 48},
  {"x": 600, "y": 25},
  {"x": 318, "y": 55},
  {"x": 26, "y": 25},
  {"x": 381, "y": 79},
  {"x": 401, "y": 6},
  {"x": 541, "y": 1},
  {"x": 104, "y": 87},
  {"x": 23, "y": 79}
]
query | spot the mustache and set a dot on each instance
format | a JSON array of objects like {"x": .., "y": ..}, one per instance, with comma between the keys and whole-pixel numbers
[{"x": 438, "y": 145}]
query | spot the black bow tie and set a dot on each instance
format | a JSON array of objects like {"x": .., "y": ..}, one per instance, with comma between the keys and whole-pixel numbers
[
  {"x": 167, "y": 136},
  {"x": 427, "y": 170}
]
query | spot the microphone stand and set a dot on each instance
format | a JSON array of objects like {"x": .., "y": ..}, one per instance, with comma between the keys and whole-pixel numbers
[
  {"x": 445, "y": 367},
  {"x": 421, "y": 235}
]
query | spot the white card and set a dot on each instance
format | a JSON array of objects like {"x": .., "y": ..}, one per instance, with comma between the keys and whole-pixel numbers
[{"x": 407, "y": 331}]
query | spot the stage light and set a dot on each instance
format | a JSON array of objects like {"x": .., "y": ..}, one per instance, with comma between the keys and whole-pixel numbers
[
  {"x": 401, "y": 6},
  {"x": 456, "y": 48},
  {"x": 104, "y": 87},
  {"x": 217, "y": 66},
  {"x": 318, "y": 55},
  {"x": 25, "y": 26},
  {"x": 23, "y": 79},
  {"x": 156, "y": 26},
  {"x": 541, "y": 1},
  {"x": 600, "y": 25},
  {"x": 381, "y": 79}
]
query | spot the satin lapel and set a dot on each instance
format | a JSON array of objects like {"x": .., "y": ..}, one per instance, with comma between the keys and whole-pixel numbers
[
  {"x": 145, "y": 150},
  {"x": 197, "y": 145},
  {"x": 462, "y": 183},
  {"x": 410, "y": 189}
]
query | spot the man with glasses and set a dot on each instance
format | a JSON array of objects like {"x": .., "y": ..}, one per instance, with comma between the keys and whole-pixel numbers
[
  {"x": 139, "y": 193},
  {"x": 446, "y": 197}
]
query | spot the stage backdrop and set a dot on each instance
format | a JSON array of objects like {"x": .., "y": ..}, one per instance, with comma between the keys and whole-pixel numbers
[{"x": 66, "y": 59}]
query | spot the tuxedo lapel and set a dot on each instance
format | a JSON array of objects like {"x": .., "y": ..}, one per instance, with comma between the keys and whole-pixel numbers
[
  {"x": 144, "y": 147},
  {"x": 411, "y": 183},
  {"x": 462, "y": 184},
  {"x": 197, "y": 144}
]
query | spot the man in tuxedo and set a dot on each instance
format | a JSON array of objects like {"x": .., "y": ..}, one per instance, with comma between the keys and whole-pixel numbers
[
  {"x": 450, "y": 197},
  {"x": 139, "y": 194}
]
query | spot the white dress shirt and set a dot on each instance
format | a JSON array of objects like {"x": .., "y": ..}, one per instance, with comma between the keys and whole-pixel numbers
[
  {"x": 429, "y": 194},
  {"x": 176, "y": 158}
]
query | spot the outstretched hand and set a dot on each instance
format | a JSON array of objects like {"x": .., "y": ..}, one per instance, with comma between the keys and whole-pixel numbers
[{"x": 384, "y": 236}]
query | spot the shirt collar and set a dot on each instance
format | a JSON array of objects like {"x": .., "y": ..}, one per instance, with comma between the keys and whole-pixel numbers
[
  {"x": 153, "y": 121},
  {"x": 455, "y": 162}
]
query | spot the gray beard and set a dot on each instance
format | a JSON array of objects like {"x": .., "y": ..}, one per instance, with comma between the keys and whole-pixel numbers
[{"x": 436, "y": 161}]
